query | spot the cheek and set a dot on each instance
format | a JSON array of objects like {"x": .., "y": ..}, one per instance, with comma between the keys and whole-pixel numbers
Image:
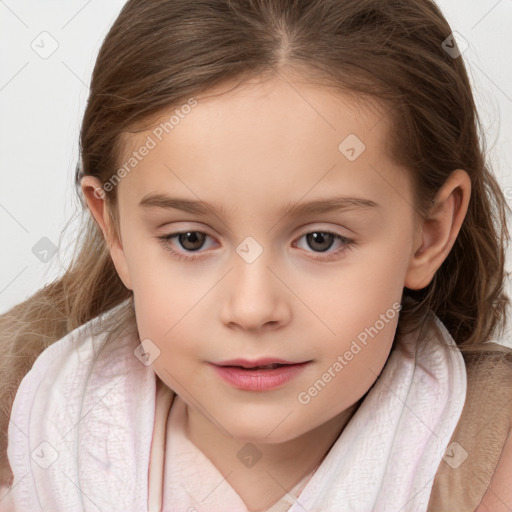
[
  {"x": 368, "y": 352},
  {"x": 170, "y": 325},
  {"x": 362, "y": 314},
  {"x": 347, "y": 372},
  {"x": 176, "y": 345},
  {"x": 354, "y": 297}
]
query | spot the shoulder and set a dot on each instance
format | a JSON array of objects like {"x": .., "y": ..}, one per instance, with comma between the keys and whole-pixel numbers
[
  {"x": 489, "y": 383},
  {"x": 475, "y": 469},
  {"x": 494, "y": 372}
]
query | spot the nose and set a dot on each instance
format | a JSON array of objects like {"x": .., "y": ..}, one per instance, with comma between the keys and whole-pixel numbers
[{"x": 255, "y": 297}]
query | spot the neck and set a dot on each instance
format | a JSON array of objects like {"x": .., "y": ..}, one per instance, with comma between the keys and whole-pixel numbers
[{"x": 281, "y": 465}]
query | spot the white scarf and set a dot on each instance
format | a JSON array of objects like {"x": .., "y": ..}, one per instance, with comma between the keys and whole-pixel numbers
[{"x": 87, "y": 431}]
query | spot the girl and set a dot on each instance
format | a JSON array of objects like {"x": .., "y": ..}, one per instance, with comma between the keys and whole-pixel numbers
[{"x": 289, "y": 277}]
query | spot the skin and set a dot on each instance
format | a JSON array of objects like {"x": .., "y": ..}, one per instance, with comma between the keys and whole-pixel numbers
[{"x": 255, "y": 149}]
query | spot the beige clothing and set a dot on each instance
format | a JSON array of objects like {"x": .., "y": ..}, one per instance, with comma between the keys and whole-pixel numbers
[{"x": 481, "y": 433}]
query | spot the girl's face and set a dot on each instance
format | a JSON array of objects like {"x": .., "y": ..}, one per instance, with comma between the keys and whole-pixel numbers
[{"x": 318, "y": 284}]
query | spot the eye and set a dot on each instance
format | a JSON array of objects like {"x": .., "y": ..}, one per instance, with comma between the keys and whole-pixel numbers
[
  {"x": 192, "y": 241},
  {"x": 323, "y": 241},
  {"x": 189, "y": 240}
]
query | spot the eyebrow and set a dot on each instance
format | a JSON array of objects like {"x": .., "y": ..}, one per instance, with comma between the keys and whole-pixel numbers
[{"x": 320, "y": 206}]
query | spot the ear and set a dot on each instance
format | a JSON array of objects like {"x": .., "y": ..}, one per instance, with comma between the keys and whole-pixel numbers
[
  {"x": 437, "y": 234},
  {"x": 97, "y": 203}
]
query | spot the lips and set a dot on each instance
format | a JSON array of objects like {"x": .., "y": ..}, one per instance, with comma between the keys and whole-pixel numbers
[{"x": 259, "y": 375}]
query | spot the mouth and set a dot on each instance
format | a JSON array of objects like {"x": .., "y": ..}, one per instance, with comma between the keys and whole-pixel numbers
[
  {"x": 253, "y": 368},
  {"x": 258, "y": 377},
  {"x": 264, "y": 363}
]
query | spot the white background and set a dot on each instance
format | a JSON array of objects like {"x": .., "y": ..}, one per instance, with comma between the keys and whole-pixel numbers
[{"x": 42, "y": 101}]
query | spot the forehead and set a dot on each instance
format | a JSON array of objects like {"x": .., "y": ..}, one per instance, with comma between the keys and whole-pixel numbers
[{"x": 264, "y": 139}]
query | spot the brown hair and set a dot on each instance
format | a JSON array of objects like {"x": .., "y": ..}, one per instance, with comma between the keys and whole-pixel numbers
[{"x": 160, "y": 53}]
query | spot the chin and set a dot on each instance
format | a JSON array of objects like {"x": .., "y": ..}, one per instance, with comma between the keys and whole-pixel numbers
[{"x": 261, "y": 433}]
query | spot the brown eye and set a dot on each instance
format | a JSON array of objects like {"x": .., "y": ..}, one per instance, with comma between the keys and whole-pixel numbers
[
  {"x": 182, "y": 245},
  {"x": 191, "y": 240},
  {"x": 319, "y": 242}
]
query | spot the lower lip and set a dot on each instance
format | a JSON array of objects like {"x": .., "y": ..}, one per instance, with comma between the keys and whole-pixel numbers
[{"x": 259, "y": 380}]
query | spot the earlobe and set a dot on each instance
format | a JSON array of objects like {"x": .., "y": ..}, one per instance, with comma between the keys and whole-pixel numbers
[
  {"x": 97, "y": 203},
  {"x": 439, "y": 231}
]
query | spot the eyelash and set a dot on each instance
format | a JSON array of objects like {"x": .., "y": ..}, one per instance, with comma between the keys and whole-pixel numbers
[{"x": 164, "y": 240}]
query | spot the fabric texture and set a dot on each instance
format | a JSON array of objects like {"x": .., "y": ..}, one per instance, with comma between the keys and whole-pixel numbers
[
  {"x": 89, "y": 423},
  {"x": 479, "y": 441}
]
